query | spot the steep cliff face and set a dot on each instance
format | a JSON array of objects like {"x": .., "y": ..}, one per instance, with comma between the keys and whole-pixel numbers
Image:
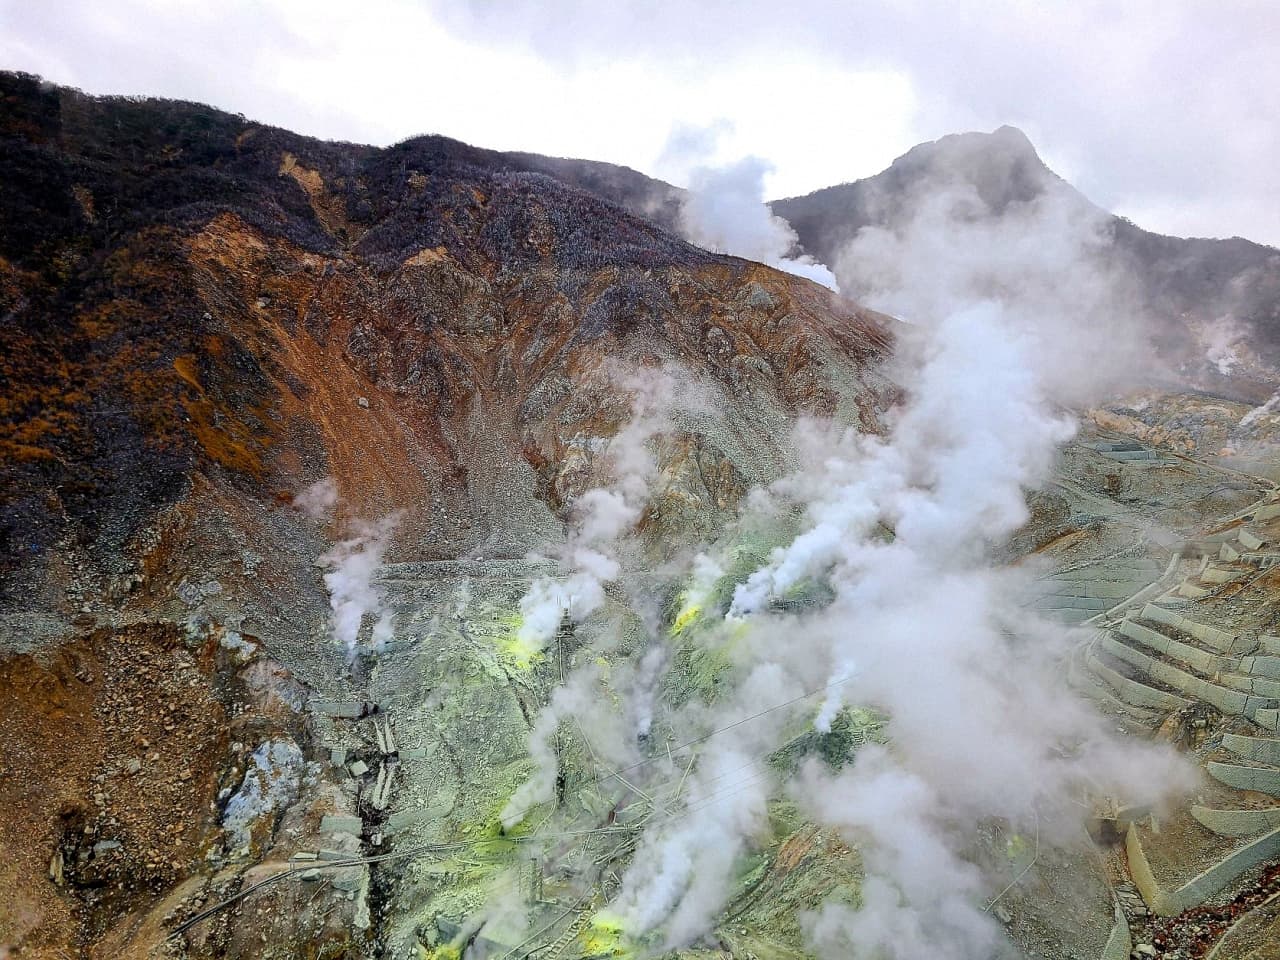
[{"x": 193, "y": 299}]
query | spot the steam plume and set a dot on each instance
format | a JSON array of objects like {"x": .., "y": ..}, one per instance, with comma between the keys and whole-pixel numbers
[
  {"x": 353, "y": 565},
  {"x": 601, "y": 517},
  {"x": 725, "y": 209},
  {"x": 603, "y": 520},
  {"x": 924, "y": 625},
  {"x": 353, "y": 593}
]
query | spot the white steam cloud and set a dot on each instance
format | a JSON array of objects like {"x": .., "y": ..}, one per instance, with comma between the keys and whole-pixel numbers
[
  {"x": 354, "y": 594},
  {"x": 352, "y": 569},
  {"x": 918, "y": 893},
  {"x": 603, "y": 521},
  {"x": 1010, "y": 320},
  {"x": 681, "y": 876},
  {"x": 318, "y": 500},
  {"x": 602, "y": 517},
  {"x": 724, "y": 209}
]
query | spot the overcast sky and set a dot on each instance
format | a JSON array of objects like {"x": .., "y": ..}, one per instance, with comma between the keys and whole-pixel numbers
[{"x": 1167, "y": 111}]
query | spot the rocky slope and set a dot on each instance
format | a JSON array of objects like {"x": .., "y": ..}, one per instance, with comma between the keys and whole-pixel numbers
[
  {"x": 202, "y": 316},
  {"x": 191, "y": 297}
]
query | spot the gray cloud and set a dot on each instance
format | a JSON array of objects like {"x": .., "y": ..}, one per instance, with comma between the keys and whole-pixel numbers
[
  {"x": 1155, "y": 109},
  {"x": 1162, "y": 111}
]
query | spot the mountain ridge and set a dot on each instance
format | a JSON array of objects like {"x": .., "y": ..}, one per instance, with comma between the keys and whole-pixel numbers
[
  {"x": 1213, "y": 304},
  {"x": 293, "y": 437},
  {"x": 158, "y": 256}
]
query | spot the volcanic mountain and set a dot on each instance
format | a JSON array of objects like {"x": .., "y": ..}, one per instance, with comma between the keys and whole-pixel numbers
[
  {"x": 1214, "y": 304},
  {"x": 255, "y": 386},
  {"x": 196, "y": 302},
  {"x": 202, "y": 317}
]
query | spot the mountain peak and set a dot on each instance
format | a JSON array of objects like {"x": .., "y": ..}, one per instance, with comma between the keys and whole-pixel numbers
[
  {"x": 1012, "y": 134},
  {"x": 975, "y": 156}
]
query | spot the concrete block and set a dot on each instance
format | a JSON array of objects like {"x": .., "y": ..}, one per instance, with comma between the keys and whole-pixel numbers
[
  {"x": 359, "y": 768},
  {"x": 1126, "y": 455},
  {"x": 414, "y": 753},
  {"x": 1228, "y": 553},
  {"x": 1112, "y": 590},
  {"x": 1269, "y": 719},
  {"x": 1250, "y": 540},
  {"x": 1238, "y": 823},
  {"x": 1257, "y": 703},
  {"x": 1119, "y": 941},
  {"x": 1060, "y": 602},
  {"x": 1258, "y": 779},
  {"x": 1259, "y": 686},
  {"x": 1133, "y": 693},
  {"x": 340, "y": 709},
  {"x": 1166, "y": 903},
  {"x": 1268, "y": 512},
  {"x": 1219, "y": 640},
  {"x": 1269, "y": 645},
  {"x": 1089, "y": 681},
  {"x": 1228, "y": 701},
  {"x": 385, "y": 736},
  {"x": 1149, "y": 592},
  {"x": 1192, "y": 656},
  {"x": 303, "y": 855},
  {"x": 381, "y": 794},
  {"x": 1266, "y": 687},
  {"x": 1191, "y": 591},
  {"x": 1261, "y": 666},
  {"x": 337, "y": 756},
  {"x": 1218, "y": 575},
  {"x": 1227, "y": 870},
  {"x": 1158, "y": 901},
  {"x": 341, "y": 823}
]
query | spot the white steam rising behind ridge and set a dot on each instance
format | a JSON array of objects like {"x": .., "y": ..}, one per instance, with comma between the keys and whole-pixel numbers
[
  {"x": 725, "y": 211},
  {"x": 724, "y": 207}
]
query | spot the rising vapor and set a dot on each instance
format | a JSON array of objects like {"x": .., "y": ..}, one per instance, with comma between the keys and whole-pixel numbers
[
  {"x": 925, "y": 624},
  {"x": 352, "y": 566},
  {"x": 724, "y": 207}
]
